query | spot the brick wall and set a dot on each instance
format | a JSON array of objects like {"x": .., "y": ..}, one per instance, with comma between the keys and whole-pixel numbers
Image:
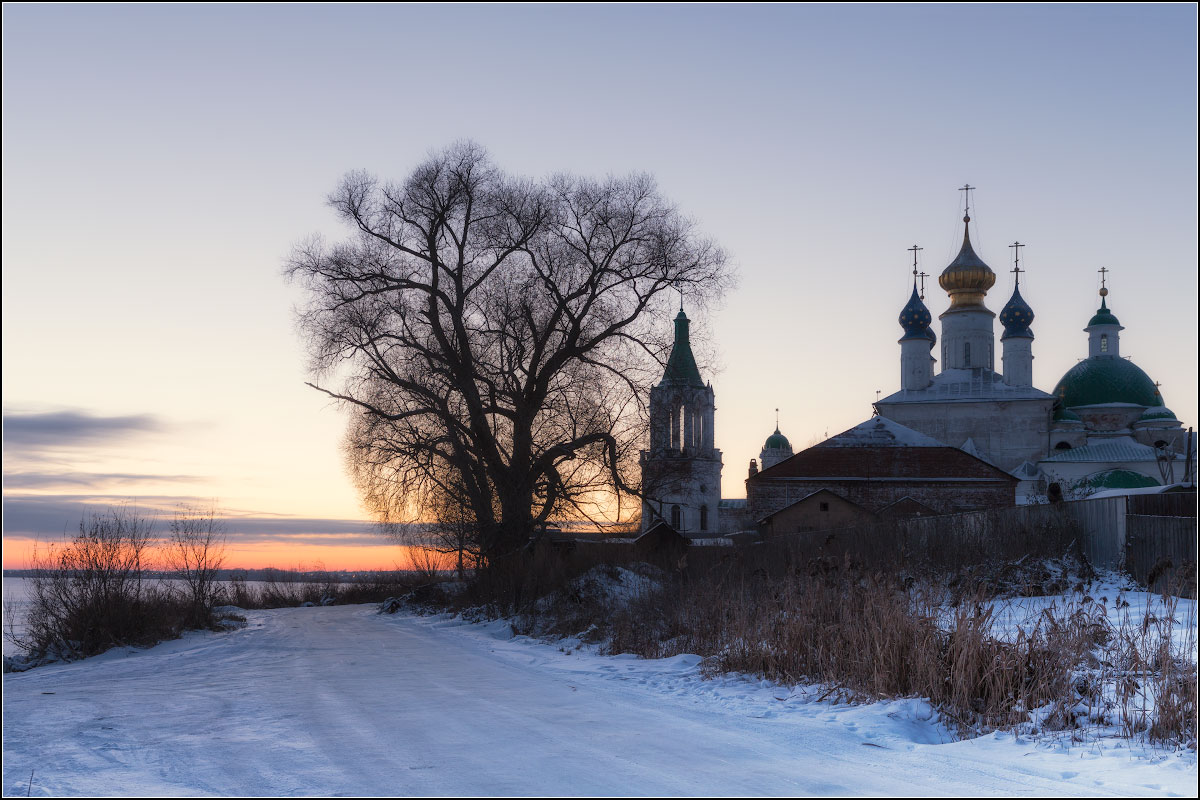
[{"x": 944, "y": 497}]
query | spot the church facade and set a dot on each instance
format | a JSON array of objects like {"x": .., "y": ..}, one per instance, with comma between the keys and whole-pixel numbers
[
  {"x": 1104, "y": 425},
  {"x": 998, "y": 416}
]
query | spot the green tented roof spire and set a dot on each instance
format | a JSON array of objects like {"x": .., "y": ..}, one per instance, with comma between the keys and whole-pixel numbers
[{"x": 681, "y": 366}]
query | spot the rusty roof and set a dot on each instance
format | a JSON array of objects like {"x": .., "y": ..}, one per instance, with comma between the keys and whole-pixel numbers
[{"x": 885, "y": 464}]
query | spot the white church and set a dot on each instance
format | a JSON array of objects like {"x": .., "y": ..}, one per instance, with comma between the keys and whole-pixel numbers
[{"x": 1104, "y": 425}]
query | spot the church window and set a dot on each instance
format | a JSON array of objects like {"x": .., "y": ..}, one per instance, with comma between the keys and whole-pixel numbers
[
  {"x": 703, "y": 518},
  {"x": 966, "y": 354},
  {"x": 1062, "y": 446},
  {"x": 824, "y": 506},
  {"x": 1160, "y": 444},
  {"x": 676, "y": 518},
  {"x": 1104, "y": 343}
]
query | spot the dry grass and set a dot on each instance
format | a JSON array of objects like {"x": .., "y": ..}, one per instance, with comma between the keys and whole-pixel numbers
[
  {"x": 869, "y": 633},
  {"x": 313, "y": 586}
]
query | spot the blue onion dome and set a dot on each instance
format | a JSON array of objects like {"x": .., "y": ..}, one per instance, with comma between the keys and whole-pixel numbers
[
  {"x": 777, "y": 441},
  {"x": 1103, "y": 315},
  {"x": 915, "y": 317},
  {"x": 1016, "y": 316},
  {"x": 931, "y": 336},
  {"x": 967, "y": 279}
]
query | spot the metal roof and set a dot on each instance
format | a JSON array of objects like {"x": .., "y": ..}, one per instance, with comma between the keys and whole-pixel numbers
[
  {"x": 1121, "y": 449},
  {"x": 978, "y": 383}
]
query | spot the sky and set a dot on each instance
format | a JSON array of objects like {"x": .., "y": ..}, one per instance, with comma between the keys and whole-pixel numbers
[{"x": 159, "y": 163}]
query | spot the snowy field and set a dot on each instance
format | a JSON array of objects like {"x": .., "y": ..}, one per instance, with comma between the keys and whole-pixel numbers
[{"x": 341, "y": 700}]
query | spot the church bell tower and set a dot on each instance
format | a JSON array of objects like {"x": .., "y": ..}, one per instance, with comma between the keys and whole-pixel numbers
[{"x": 681, "y": 472}]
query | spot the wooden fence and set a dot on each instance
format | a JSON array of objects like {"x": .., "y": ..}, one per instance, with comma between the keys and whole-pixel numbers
[
  {"x": 1137, "y": 533},
  {"x": 1160, "y": 552}
]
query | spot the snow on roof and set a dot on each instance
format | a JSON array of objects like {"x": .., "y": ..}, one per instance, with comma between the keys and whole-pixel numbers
[
  {"x": 1124, "y": 492},
  {"x": 880, "y": 432},
  {"x": 1120, "y": 448},
  {"x": 1027, "y": 471},
  {"x": 978, "y": 383},
  {"x": 712, "y": 541},
  {"x": 971, "y": 448}
]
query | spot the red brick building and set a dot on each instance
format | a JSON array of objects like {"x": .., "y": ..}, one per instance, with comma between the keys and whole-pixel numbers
[{"x": 883, "y": 468}]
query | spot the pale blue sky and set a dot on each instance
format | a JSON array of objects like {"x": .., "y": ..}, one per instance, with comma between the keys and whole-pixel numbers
[{"x": 159, "y": 162}]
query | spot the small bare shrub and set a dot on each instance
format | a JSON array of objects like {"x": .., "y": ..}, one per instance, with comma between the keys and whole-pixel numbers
[
  {"x": 89, "y": 594},
  {"x": 195, "y": 550}
]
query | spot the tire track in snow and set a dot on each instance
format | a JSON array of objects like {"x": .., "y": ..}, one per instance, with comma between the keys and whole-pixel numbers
[{"x": 338, "y": 700}]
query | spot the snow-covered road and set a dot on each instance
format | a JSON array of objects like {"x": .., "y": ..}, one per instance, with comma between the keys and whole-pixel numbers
[{"x": 340, "y": 700}]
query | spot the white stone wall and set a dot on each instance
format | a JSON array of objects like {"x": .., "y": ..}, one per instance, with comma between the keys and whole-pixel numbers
[
  {"x": 682, "y": 467},
  {"x": 968, "y": 338},
  {"x": 1018, "y": 361},
  {"x": 1104, "y": 340},
  {"x": 1006, "y": 432},
  {"x": 692, "y": 483},
  {"x": 770, "y": 456},
  {"x": 916, "y": 364}
]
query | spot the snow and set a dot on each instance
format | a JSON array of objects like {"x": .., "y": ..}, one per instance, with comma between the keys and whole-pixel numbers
[
  {"x": 880, "y": 432},
  {"x": 1140, "y": 490},
  {"x": 968, "y": 385},
  {"x": 343, "y": 700}
]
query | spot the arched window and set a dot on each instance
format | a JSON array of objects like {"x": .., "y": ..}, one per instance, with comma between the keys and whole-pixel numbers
[
  {"x": 703, "y": 518},
  {"x": 1104, "y": 343},
  {"x": 1161, "y": 443},
  {"x": 1062, "y": 446},
  {"x": 676, "y": 518}
]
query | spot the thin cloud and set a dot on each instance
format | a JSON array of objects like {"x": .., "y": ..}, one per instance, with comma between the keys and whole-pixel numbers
[
  {"x": 86, "y": 480},
  {"x": 57, "y": 429},
  {"x": 51, "y": 515}
]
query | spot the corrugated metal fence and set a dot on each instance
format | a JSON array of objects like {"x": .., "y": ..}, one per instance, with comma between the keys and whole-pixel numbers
[{"x": 1102, "y": 528}]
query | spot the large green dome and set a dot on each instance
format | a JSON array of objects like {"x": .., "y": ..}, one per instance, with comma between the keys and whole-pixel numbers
[{"x": 1106, "y": 379}]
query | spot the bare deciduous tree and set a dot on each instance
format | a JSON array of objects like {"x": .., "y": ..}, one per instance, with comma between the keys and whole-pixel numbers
[
  {"x": 195, "y": 550},
  {"x": 497, "y": 336}
]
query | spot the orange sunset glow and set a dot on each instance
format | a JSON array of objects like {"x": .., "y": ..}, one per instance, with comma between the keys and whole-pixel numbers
[{"x": 19, "y": 553}]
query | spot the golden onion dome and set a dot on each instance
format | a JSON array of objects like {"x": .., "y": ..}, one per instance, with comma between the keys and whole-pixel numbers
[{"x": 967, "y": 279}]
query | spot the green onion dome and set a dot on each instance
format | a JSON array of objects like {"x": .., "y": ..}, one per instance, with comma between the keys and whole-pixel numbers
[
  {"x": 1103, "y": 315},
  {"x": 1063, "y": 414},
  {"x": 1158, "y": 413},
  {"x": 915, "y": 317},
  {"x": 777, "y": 441},
  {"x": 1017, "y": 316},
  {"x": 1106, "y": 379}
]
